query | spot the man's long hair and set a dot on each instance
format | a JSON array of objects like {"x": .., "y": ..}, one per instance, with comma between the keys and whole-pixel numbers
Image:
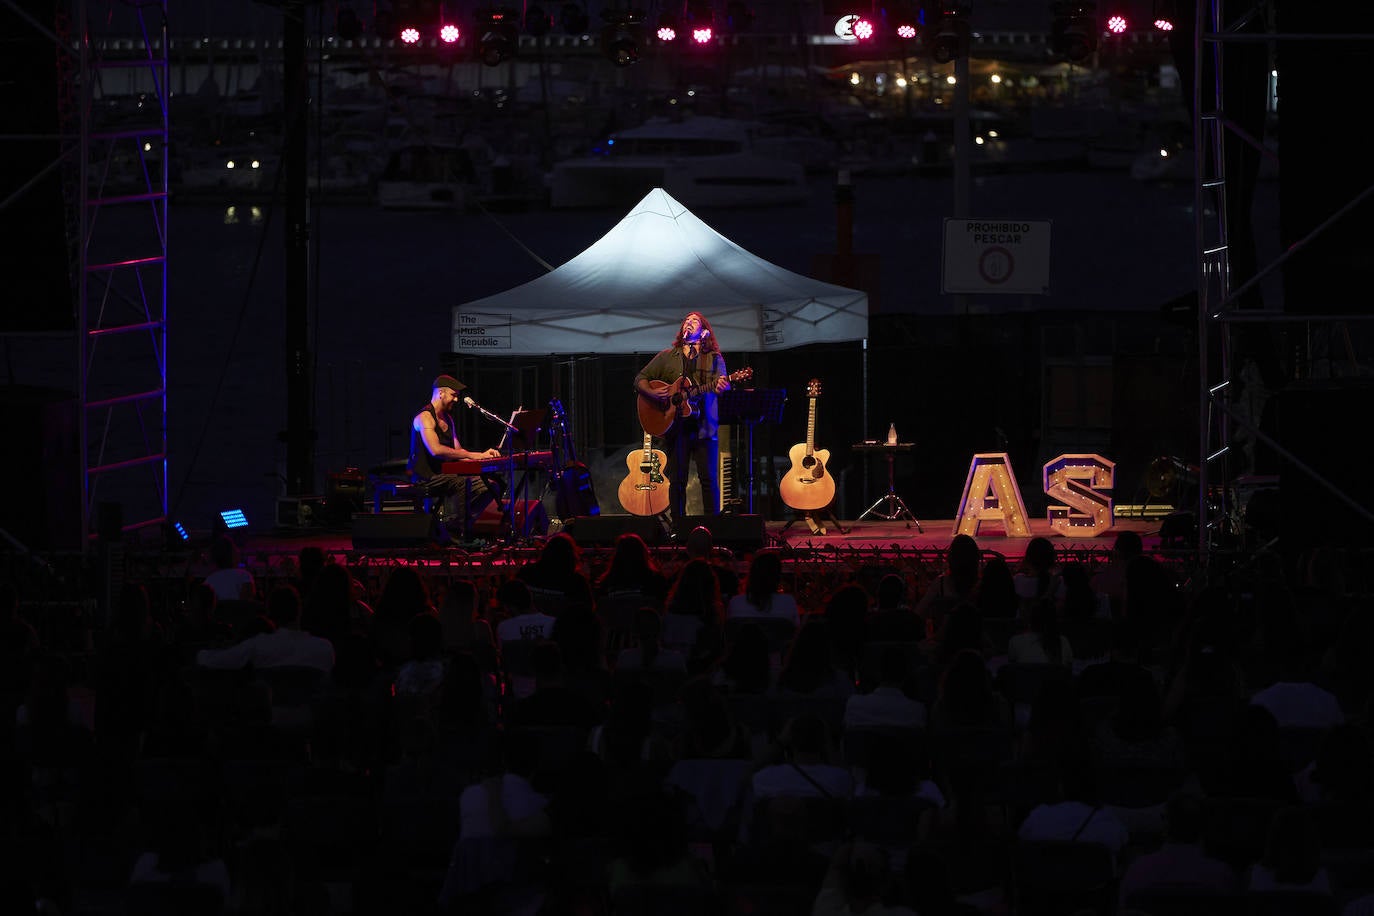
[{"x": 708, "y": 342}]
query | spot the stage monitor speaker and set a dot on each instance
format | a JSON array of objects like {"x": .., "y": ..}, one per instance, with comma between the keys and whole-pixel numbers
[
  {"x": 740, "y": 533},
  {"x": 602, "y": 530},
  {"x": 392, "y": 529}
]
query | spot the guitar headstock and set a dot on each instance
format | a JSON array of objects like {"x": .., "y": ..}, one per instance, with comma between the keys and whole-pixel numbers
[
  {"x": 813, "y": 388},
  {"x": 741, "y": 375}
]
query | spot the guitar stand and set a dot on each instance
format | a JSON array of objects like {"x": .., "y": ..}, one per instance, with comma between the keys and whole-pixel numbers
[{"x": 815, "y": 522}]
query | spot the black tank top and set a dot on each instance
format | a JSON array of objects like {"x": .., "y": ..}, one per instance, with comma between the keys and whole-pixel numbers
[{"x": 423, "y": 465}]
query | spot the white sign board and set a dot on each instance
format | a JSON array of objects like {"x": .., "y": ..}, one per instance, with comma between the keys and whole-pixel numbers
[
  {"x": 996, "y": 256},
  {"x": 477, "y": 331}
]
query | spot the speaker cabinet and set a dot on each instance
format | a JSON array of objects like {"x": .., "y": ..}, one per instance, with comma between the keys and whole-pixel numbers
[{"x": 392, "y": 529}]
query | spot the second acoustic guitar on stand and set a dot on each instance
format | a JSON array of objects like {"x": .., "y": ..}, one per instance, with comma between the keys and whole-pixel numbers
[{"x": 807, "y": 485}]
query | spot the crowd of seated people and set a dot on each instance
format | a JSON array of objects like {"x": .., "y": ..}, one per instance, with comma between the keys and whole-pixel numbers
[{"x": 558, "y": 739}]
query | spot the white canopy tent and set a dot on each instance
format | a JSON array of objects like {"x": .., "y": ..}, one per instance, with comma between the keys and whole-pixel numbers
[{"x": 628, "y": 291}]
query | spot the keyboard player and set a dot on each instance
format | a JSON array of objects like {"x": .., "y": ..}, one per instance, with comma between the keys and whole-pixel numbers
[{"x": 434, "y": 441}]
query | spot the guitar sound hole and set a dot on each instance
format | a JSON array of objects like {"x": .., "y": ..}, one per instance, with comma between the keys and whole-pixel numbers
[{"x": 808, "y": 461}]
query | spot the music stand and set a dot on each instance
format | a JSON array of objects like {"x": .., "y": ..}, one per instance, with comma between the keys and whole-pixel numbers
[
  {"x": 527, "y": 425},
  {"x": 751, "y": 406},
  {"x": 894, "y": 509}
]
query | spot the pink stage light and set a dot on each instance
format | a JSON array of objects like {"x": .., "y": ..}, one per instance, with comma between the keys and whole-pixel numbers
[
  {"x": 863, "y": 30},
  {"x": 1116, "y": 24},
  {"x": 667, "y": 33},
  {"x": 906, "y": 31},
  {"x": 410, "y": 35},
  {"x": 702, "y": 35},
  {"x": 1164, "y": 25},
  {"x": 449, "y": 34}
]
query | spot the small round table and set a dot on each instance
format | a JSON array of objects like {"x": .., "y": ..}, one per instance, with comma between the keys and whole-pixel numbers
[{"x": 893, "y": 508}]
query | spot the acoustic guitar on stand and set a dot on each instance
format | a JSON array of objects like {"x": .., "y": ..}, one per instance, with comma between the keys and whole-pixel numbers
[
  {"x": 644, "y": 491},
  {"x": 807, "y": 485},
  {"x": 656, "y": 419}
]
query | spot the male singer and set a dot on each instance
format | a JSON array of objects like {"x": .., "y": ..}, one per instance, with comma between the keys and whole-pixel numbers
[{"x": 433, "y": 441}]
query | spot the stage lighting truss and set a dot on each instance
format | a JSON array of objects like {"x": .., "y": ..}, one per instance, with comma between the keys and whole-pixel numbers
[
  {"x": 1073, "y": 30},
  {"x": 950, "y": 34},
  {"x": 499, "y": 33},
  {"x": 622, "y": 37}
]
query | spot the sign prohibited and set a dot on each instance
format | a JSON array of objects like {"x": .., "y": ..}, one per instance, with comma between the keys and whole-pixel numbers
[{"x": 996, "y": 256}]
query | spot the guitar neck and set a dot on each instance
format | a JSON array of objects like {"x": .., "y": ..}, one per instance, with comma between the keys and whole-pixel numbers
[{"x": 811, "y": 427}]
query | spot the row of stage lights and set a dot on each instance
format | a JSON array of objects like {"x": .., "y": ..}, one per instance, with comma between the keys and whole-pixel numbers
[{"x": 942, "y": 24}]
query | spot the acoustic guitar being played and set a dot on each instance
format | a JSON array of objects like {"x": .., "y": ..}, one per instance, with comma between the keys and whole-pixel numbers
[
  {"x": 658, "y": 418},
  {"x": 644, "y": 491},
  {"x": 807, "y": 485}
]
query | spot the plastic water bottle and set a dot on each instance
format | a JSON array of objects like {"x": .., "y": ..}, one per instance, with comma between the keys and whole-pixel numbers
[{"x": 892, "y": 434}]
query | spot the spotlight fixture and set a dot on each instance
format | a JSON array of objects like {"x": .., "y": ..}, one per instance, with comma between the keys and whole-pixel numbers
[
  {"x": 700, "y": 23},
  {"x": 233, "y": 518},
  {"x": 499, "y": 35},
  {"x": 669, "y": 28},
  {"x": 1073, "y": 30},
  {"x": 904, "y": 19},
  {"x": 1164, "y": 15},
  {"x": 622, "y": 36}
]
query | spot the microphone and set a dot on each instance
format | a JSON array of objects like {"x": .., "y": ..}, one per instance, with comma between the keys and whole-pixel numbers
[
  {"x": 470, "y": 402},
  {"x": 705, "y": 332}
]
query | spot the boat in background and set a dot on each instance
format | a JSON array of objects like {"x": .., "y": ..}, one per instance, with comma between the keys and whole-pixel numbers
[{"x": 701, "y": 161}]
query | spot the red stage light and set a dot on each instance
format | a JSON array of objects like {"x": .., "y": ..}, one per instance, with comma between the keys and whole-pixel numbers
[
  {"x": 1164, "y": 25},
  {"x": 449, "y": 33},
  {"x": 863, "y": 30},
  {"x": 702, "y": 34},
  {"x": 666, "y": 33},
  {"x": 906, "y": 31},
  {"x": 410, "y": 35},
  {"x": 1116, "y": 24}
]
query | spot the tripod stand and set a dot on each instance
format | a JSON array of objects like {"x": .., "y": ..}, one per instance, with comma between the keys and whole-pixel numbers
[{"x": 893, "y": 508}]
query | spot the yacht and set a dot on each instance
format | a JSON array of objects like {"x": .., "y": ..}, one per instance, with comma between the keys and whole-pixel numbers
[{"x": 701, "y": 161}]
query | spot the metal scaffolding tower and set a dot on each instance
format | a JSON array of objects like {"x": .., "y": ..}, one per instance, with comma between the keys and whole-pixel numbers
[
  {"x": 1226, "y": 310},
  {"x": 122, "y": 277}
]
